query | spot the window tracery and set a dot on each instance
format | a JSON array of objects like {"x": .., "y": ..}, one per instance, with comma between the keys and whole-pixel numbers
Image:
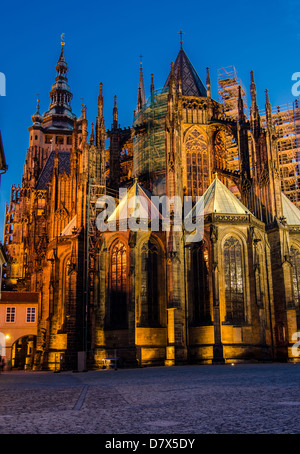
[
  {"x": 234, "y": 285},
  {"x": 118, "y": 283},
  {"x": 196, "y": 163}
]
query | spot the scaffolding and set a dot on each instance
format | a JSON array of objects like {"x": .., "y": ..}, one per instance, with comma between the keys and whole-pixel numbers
[
  {"x": 149, "y": 138},
  {"x": 228, "y": 91},
  {"x": 286, "y": 121}
]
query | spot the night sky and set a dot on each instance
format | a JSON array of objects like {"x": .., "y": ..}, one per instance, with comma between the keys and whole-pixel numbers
[{"x": 104, "y": 41}]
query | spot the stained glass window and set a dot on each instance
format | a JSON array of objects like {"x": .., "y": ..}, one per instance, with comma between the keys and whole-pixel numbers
[
  {"x": 118, "y": 282},
  {"x": 196, "y": 163},
  {"x": 67, "y": 286},
  {"x": 234, "y": 285},
  {"x": 150, "y": 285},
  {"x": 201, "y": 312}
]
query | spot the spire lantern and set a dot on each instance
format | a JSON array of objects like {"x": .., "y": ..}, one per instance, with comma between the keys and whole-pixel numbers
[
  {"x": 62, "y": 67},
  {"x": 37, "y": 117},
  {"x": 61, "y": 95}
]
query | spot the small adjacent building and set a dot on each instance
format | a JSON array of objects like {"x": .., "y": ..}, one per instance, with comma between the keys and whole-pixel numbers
[{"x": 18, "y": 328}]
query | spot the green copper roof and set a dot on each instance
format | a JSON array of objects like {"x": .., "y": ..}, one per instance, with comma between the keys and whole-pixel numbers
[{"x": 290, "y": 211}]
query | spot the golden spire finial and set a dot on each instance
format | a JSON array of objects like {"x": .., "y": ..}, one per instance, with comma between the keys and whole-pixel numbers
[{"x": 62, "y": 39}]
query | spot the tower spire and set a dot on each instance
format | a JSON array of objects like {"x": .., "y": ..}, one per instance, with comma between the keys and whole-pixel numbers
[
  {"x": 141, "y": 101},
  {"x": 152, "y": 84},
  {"x": 100, "y": 129},
  {"x": 100, "y": 100},
  {"x": 268, "y": 109},
  {"x": 191, "y": 82},
  {"x": 254, "y": 113},
  {"x": 115, "y": 113},
  {"x": 60, "y": 94},
  {"x": 92, "y": 136},
  {"x": 253, "y": 92},
  {"x": 208, "y": 86},
  {"x": 241, "y": 114}
]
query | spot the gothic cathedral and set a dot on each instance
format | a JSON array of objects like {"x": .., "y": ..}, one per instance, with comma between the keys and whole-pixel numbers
[{"x": 150, "y": 297}]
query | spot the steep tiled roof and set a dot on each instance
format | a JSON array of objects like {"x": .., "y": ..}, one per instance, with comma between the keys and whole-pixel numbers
[
  {"x": 64, "y": 166},
  {"x": 19, "y": 297},
  {"x": 137, "y": 200},
  {"x": 290, "y": 211},
  {"x": 219, "y": 199},
  {"x": 191, "y": 83},
  {"x": 68, "y": 230}
]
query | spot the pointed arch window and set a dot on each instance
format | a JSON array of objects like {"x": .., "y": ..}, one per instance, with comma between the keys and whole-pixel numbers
[
  {"x": 150, "y": 284},
  {"x": 196, "y": 163},
  {"x": 201, "y": 303},
  {"x": 118, "y": 287},
  {"x": 234, "y": 282},
  {"x": 67, "y": 289},
  {"x": 295, "y": 253}
]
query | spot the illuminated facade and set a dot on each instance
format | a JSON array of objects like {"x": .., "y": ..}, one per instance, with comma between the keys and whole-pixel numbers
[{"x": 152, "y": 297}]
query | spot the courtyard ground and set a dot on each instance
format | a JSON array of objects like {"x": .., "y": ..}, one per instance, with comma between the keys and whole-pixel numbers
[{"x": 239, "y": 399}]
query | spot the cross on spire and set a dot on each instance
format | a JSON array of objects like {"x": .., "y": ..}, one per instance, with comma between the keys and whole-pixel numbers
[
  {"x": 181, "y": 40},
  {"x": 141, "y": 60},
  {"x": 62, "y": 37}
]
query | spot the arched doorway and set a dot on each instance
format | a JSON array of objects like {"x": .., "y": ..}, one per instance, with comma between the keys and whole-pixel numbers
[{"x": 22, "y": 353}]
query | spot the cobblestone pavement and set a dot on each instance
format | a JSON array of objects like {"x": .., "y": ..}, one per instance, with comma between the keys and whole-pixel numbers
[{"x": 240, "y": 399}]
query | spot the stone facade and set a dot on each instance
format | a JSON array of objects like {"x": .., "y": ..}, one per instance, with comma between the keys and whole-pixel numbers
[{"x": 153, "y": 297}]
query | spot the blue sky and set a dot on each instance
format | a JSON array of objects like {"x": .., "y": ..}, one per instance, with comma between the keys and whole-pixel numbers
[{"x": 104, "y": 41}]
